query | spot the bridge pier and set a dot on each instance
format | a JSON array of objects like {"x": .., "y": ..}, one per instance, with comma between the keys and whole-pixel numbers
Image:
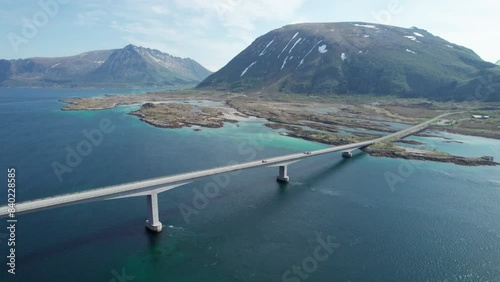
[
  {"x": 347, "y": 154},
  {"x": 153, "y": 223},
  {"x": 282, "y": 176}
]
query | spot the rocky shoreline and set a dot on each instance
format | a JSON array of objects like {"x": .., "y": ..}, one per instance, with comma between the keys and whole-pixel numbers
[
  {"x": 428, "y": 156},
  {"x": 491, "y": 135},
  {"x": 175, "y": 115},
  {"x": 312, "y": 121},
  {"x": 299, "y": 114},
  {"x": 316, "y": 136}
]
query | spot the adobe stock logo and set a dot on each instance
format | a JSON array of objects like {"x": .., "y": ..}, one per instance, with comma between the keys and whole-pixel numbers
[
  {"x": 385, "y": 16},
  {"x": 224, "y": 6},
  {"x": 121, "y": 277},
  {"x": 74, "y": 157},
  {"x": 212, "y": 190},
  {"x": 31, "y": 26},
  {"x": 311, "y": 263}
]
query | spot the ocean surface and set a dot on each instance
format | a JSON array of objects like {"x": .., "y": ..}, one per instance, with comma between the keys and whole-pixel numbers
[{"x": 361, "y": 219}]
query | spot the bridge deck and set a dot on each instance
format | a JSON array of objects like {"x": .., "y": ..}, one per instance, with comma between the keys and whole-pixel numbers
[{"x": 152, "y": 184}]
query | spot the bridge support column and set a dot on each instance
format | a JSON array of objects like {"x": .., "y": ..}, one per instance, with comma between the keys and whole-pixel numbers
[
  {"x": 347, "y": 154},
  {"x": 283, "y": 176},
  {"x": 153, "y": 223}
]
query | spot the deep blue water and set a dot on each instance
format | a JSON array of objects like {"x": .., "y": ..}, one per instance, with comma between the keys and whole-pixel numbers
[{"x": 438, "y": 222}]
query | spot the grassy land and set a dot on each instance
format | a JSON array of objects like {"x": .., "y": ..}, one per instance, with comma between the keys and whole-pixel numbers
[
  {"x": 325, "y": 112},
  {"x": 175, "y": 115}
]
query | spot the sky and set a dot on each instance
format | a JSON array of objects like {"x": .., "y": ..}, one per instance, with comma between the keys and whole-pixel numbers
[{"x": 212, "y": 32}]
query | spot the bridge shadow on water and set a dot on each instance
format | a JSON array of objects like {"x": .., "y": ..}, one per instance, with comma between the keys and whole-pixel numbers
[
  {"x": 128, "y": 230},
  {"x": 325, "y": 171},
  {"x": 285, "y": 194}
]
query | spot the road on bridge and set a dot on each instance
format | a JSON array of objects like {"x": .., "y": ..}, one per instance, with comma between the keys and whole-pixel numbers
[{"x": 162, "y": 184}]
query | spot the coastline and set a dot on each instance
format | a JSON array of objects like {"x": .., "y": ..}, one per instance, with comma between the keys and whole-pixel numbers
[
  {"x": 424, "y": 155},
  {"x": 175, "y": 115},
  {"x": 312, "y": 121}
]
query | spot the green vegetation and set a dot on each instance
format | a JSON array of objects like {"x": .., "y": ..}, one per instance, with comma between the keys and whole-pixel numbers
[
  {"x": 325, "y": 113},
  {"x": 387, "y": 145},
  {"x": 175, "y": 115},
  {"x": 359, "y": 61}
]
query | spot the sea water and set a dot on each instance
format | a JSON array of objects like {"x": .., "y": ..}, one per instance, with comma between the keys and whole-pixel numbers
[{"x": 437, "y": 222}]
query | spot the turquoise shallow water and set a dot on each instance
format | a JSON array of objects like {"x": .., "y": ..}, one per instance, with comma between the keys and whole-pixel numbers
[
  {"x": 438, "y": 222},
  {"x": 469, "y": 146}
]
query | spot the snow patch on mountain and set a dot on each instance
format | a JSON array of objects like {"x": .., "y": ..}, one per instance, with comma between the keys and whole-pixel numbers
[
  {"x": 286, "y": 46},
  {"x": 412, "y": 38},
  {"x": 302, "y": 61},
  {"x": 245, "y": 71},
  {"x": 267, "y": 46},
  {"x": 154, "y": 58},
  {"x": 284, "y": 63},
  {"x": 322, "y": 49},
  {"x": 366, "y": 26},
  {"x": 297, "y": 42}
]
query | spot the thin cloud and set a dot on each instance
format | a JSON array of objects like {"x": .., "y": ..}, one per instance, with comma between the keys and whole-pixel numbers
[
  {"x": 91, "y": 18},
  {"x": 211, "y": 32},
  {"x": 160, "y": 10}
]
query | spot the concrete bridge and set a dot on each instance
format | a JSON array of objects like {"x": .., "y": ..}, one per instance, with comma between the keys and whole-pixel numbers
[{"x": 152, "y": 187}]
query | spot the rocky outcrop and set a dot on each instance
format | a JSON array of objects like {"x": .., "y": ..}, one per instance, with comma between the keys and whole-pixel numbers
[{"x": 429, "y": 156}]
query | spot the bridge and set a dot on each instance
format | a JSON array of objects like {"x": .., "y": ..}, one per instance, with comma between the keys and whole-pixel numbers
[{"x": 152, "y": 187}]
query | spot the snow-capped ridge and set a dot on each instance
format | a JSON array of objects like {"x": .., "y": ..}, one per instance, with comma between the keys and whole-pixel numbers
[{"x": 366, "y": 26}]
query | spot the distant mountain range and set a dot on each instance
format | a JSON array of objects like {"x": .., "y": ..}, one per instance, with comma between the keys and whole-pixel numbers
[
  {"x": 130, "y": 66},
  {"x": 358, "y": 58},
  {"x": 498, "y": 62}
]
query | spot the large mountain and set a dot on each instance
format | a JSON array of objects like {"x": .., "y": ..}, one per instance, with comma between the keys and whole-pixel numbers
[
  {"x": 130, "y": 66},
  {"x": 498, "y": 62},
  {"x": 358, "y": 58}
]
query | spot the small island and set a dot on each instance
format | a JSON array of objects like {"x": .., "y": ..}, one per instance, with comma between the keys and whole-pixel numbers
[
  {"x": 389, "y": 150},
  {"x": 333, "y": 121},
  {"x": 175, "y": 115}
]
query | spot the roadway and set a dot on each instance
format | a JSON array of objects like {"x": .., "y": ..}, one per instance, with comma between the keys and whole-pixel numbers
[{"x": 166, "y": 183}]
